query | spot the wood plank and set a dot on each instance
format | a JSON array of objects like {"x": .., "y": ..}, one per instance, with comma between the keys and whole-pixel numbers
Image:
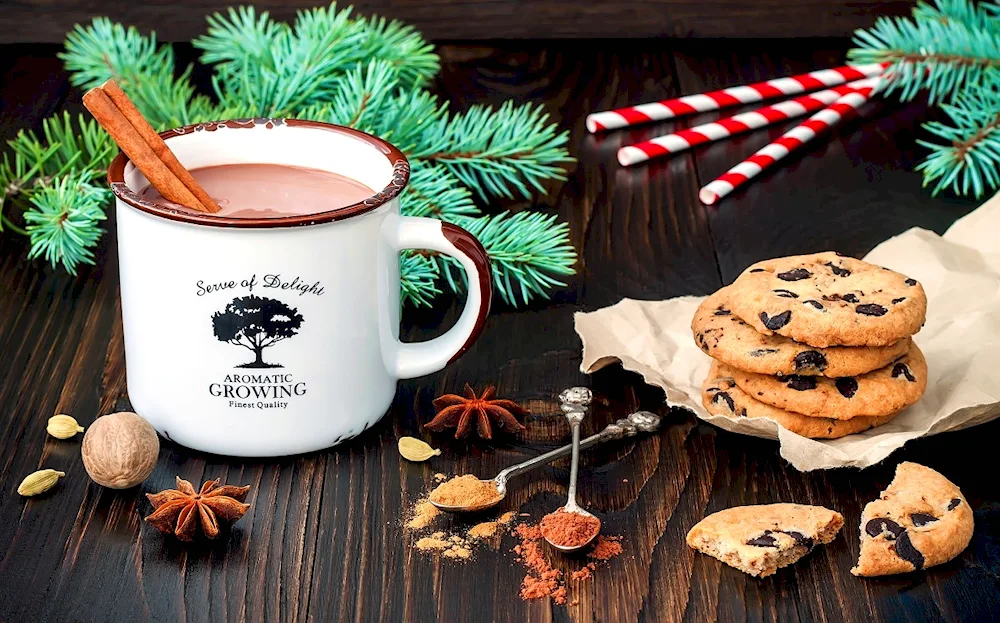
[{"x": 48, "y": 21}]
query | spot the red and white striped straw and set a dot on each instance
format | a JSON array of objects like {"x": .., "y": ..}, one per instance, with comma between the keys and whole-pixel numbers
[
  {"x": 737, "y": 124},
  {"x": 801, "y": 134},
  {"x": 733, "y": 96}
]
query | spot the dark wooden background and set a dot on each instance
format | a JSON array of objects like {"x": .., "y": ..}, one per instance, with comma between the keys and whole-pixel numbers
[
  {"x": 36, "y": 21},
  {"x": 323, "y": 540}
]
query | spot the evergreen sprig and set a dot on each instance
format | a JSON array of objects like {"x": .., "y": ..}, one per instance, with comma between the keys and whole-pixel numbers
[
  {"x": 331, "y": 65},
  {"x": 943, "y": 48},
  {"x": 63, "y": 222},
  {"x": 951, "y": 49},
  {"x": 105, "y": 50},
  {"x": 969, "y": 159}
]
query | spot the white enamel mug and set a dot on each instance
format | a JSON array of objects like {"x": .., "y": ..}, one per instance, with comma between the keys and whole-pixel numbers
[{"x": 276, "y": 336}]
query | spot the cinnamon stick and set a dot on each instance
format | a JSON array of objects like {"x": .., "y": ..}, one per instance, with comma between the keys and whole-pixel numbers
[
  {"x": 147, "y": 151},
  {"x": 157, "y": 144}
]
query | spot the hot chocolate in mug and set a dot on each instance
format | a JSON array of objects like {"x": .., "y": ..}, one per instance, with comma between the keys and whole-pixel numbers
[{"x": 276, "y": 336}]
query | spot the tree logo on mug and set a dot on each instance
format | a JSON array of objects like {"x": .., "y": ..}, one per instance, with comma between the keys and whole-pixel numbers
[{"x": 255, "y": 323}]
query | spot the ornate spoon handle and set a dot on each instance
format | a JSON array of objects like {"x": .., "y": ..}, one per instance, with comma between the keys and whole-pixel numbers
[{"x": 629, "y": 426}]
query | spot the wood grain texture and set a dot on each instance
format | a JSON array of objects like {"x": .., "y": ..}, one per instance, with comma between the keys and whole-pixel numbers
[
  {"x": 323, "y": 540},
  {"x": 48, "y": 20}
]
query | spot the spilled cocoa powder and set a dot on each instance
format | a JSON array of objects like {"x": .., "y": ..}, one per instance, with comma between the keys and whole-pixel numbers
[{"x": 541, "y": 578}]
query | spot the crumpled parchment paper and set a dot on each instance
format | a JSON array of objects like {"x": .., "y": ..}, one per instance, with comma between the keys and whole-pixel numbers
[{"x": 960, "y": 272}]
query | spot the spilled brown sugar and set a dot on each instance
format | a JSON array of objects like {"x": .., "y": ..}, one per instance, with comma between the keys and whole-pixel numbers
[
  {"x": 569, "y": 529},
  {"x": 451, "y": 538},
  {"x": 465, "y": 490}
]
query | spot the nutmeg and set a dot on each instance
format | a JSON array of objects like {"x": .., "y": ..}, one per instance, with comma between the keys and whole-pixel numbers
[{"x": 120, "y": 450}]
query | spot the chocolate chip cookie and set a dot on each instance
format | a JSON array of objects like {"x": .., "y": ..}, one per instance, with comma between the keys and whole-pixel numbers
[
  {"x": 880, "y": 392},
  {"x": 722, "y": 335},
  {"x": 920, "y": 520},
  {"x": 760, "y": 539},
  {"x": 721, "y": 396},
  {"x": 825, "y": 299}
]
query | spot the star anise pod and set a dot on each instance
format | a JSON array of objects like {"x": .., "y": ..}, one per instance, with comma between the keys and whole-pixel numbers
[
  {"x": 182, "y": 511},
  {"x": 461, "y": 411}
]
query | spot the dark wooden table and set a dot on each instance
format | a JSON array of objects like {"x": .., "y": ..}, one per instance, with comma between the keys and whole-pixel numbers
[{"x": 323, "y": 540}]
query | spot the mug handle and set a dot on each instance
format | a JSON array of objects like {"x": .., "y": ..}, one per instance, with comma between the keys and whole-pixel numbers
[{"x": 420, "y": 358}]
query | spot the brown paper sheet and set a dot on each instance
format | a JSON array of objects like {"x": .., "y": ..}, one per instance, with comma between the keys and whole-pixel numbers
[{"x": 960, "y": 272}]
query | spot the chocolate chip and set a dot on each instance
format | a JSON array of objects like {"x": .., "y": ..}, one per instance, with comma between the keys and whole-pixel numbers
[
  {"x": 837, "y": 270},
  {"x": 743, "y": 412},
  {"x": 812, "y": 359},
  {"x": 902, "y": 368},
  {"x": 760, "y": 352},
  {"x": 775, "y": 322},
  {"x": 798, "y": 382},
  {"x": 911, "y": 282},
  {"x": 899, "y": 300},
  {"x": 922, "y": 519},
  {"x": 906, "y": 551},
  {"x": 847, "y": 386},
  {"x": 758, "y": 270},
  {"x": 722, "y": 312},
  {"x": 786, "y": 294},
  {"x": 850, "y": 298},
  {"x": 796, "y": 274},
  {"x": 871, "y": 309},
  {"x": 727, "y": 398},
  {"x": 800, "y": 539},
  {"x": 880, "y": 525},
  {"x": 954, "y": 504},
  {"x": 815, "y": 304},
  {"x": 765, "y": 540}
]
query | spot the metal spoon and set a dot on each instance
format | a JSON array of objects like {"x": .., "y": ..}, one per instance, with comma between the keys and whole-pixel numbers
[
  {"x": 575, "y": 402},
  {"x": 640, "y": 421}
]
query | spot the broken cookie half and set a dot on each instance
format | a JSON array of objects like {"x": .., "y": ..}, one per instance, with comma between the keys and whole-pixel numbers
[
  {"x": 920, "y": 520},
  {"x": 761, "y": 539}
]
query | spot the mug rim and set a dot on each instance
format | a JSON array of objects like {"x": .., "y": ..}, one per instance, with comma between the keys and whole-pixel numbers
[{"x": 400, "y": 177}]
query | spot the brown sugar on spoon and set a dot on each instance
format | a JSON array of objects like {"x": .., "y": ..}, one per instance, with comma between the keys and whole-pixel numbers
[
  {"x": 148, "y": 152},
  {"x": 465, "y": 490}
]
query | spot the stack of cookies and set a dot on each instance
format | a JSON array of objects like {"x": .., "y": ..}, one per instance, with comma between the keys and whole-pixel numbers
[{"x": 818, "y": 343}]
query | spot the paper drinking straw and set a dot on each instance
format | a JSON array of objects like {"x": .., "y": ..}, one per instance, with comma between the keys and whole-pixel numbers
[
  {"x": 737, "y": 124},
  {"x": 801, "y": 134},
  {"x": 733, "y": 96}
]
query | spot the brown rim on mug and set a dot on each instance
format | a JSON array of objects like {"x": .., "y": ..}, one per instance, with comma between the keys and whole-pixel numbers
[{"x": 400, "y": 177}]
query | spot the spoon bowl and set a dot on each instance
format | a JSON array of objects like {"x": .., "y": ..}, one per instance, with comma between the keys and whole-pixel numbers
[
  {"x": 501, "y": 486},
  {"x": 566, "y": 549}
]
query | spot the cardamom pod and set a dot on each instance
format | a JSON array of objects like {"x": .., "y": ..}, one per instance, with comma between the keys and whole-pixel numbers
[
  {"x": 413, "y": 449},
  {"x": 63, "y": 426},
  {"x": 39, "y": 482}
]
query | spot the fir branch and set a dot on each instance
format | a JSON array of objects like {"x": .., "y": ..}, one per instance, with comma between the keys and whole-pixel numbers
[
  {"x": 402, "y": 46},
  {"x": 418, "y": 279},
  {"x": 64, "y": 145},
  {"x": 266, "y": 68},
  {"x": 63, "y": 223},
  {"x": 969, "y": 160},
  {"x": 105, "y": 50},
  {"x": 401, "y": 116},
  {"x": 944, "y": 48},
  {"x": 498, "y": 152},
  {"x": 527, "y": 250},
  {"x": 435, "y": 192}
]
